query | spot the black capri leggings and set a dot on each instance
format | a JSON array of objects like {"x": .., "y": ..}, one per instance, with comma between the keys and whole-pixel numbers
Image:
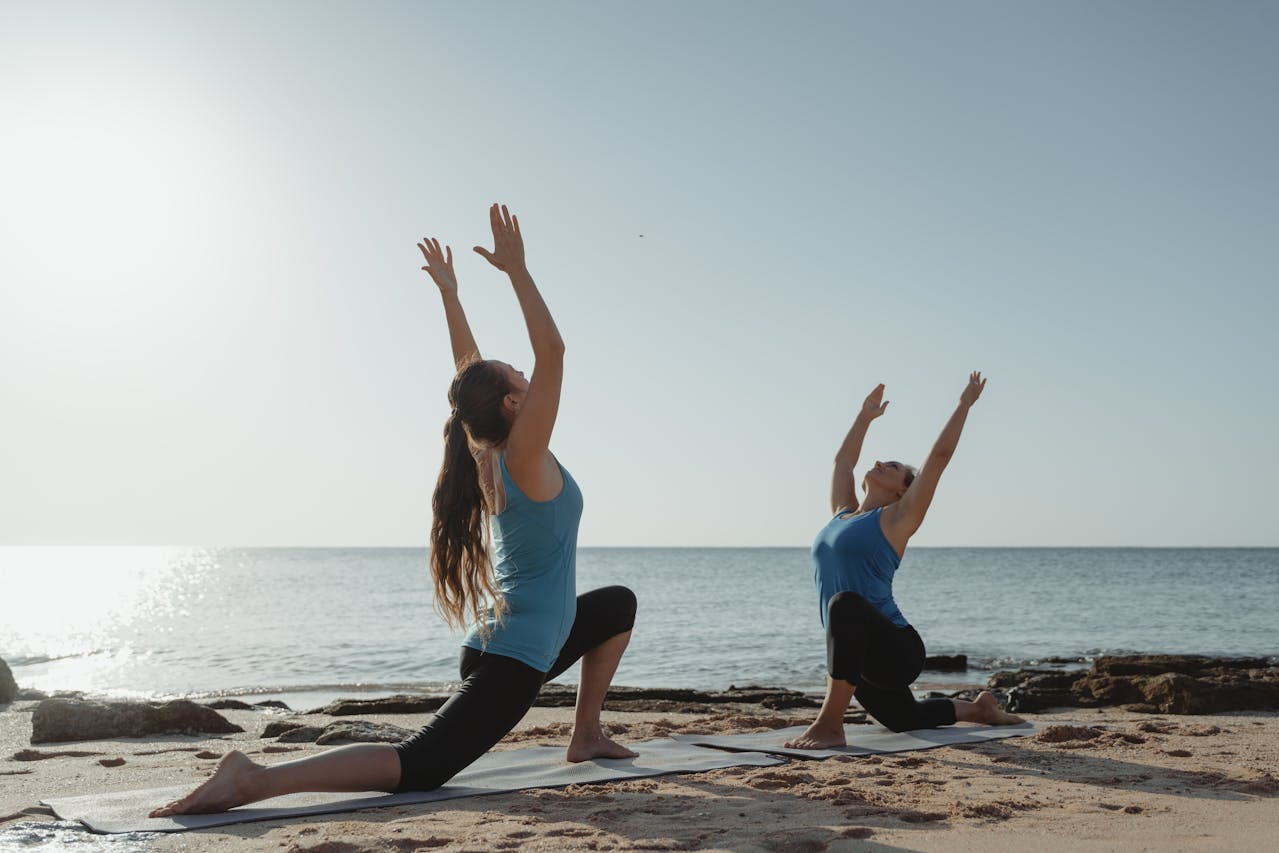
[
  {"x": 882, "y": 660},
  {"x": 497, "y": 692}
]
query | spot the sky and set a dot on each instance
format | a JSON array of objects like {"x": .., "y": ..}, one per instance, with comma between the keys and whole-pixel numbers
[{"x": 214, "y": 328}]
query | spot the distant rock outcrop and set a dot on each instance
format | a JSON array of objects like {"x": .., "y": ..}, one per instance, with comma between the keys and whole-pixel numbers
[
  {"x": 648, "y": 699},
  {"x": 679, "y": 700},
  {"x": 60, "y": 720},
  {"x": 400, "y": 704},
  {"x": 1165, "y": 684},
  {"x": 946, "y": 663},
  {"x": 8, "y": 687}
]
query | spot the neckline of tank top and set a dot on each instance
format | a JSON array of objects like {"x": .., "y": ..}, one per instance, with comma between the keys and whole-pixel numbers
[{"x": 845, "y": 517}]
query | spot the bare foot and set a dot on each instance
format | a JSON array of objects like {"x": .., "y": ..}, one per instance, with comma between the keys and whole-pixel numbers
[
  {"x": 585, "y": 746},
  {"x": 989, "y": 712},
  {"x": 227, "y": 788},
  {"x": 820, "y": 735}
]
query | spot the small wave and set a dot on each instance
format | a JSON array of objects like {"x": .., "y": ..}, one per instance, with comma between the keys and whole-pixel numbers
[
  {"x": 61, "y": 835},
  {"x": 429, "y": 687},
  {"x": 33, "y": 660}
]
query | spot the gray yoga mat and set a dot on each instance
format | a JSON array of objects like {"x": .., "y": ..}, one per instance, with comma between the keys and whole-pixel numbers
[
  {"x": 494, "y": 773},
  {"x": 862, "y": 740}
]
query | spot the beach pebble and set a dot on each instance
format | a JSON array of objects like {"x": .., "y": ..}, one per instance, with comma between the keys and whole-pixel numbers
[{"x": 111, "y": 762}]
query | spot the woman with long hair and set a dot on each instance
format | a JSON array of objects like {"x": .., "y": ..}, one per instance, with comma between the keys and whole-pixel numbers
[
  {"x": 872, "y": 652},
  {"x": 528, "y": 624}
]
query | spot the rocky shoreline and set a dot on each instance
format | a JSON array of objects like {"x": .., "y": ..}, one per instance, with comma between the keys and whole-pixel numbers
[
  {"x": 1152, "y": 684},
  {"x": 1164, "y": 684}
]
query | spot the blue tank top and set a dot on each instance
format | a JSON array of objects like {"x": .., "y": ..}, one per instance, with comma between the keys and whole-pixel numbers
[
  {"x": 535, "y": 564},
  {"x": 853, "y": 555}
]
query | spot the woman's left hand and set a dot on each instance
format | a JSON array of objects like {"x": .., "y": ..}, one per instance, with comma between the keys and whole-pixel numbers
[
  {"x": 975, "y": 386},
  {"x": 508, "y": 243}
]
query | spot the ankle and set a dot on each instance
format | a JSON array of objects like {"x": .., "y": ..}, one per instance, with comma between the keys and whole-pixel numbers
[
  {"x": 253, "y": 784},
  {"x": 588, "y": 731},
  {"x": 830, "y": 721}
]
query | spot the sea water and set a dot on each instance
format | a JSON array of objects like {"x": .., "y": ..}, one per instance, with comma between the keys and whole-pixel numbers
[{"x": 314, "y": 623}]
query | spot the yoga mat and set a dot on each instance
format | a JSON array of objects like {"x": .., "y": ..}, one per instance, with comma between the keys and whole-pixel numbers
[
  {"x": 862, "y": 740},
  {"x": 494, "y": 773}
]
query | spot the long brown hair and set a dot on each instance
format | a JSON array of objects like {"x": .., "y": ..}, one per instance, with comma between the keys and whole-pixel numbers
[{"x": 461, "y": 569}]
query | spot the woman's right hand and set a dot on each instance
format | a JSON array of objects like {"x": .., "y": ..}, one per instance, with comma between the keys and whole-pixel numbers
[
  {"x": 875, "y": 404},
  {"x": 439, "y": 264},
  {"x": 972, "y": 391}
]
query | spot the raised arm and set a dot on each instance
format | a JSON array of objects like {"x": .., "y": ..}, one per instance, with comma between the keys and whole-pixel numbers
[
  {"x": 439, "y": 265},
  {"x": 527, "y": 447},
  {"x": 843, "y": 480},
  {"x": 901, "y": 519}
]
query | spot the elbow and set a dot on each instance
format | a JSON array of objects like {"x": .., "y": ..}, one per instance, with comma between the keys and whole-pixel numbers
[{"x": 552, "y": 349}]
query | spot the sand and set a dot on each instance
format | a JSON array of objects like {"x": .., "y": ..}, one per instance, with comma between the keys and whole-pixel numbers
[{"x": 1124, "y": 781}]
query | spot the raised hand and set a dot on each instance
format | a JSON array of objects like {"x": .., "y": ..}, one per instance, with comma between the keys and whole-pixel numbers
[
  {"x": 439, "y": 264},
  {"x": 508, "y": 243},
  {"x": 872, "y": 407},
  {"x": 975, "y": 386}
]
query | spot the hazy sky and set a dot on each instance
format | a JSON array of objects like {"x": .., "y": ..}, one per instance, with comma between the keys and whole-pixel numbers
[{"x": 214, "y": 328}]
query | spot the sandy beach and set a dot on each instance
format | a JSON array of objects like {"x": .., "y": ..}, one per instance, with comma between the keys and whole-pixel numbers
[{"x": 1120, "y": 781}]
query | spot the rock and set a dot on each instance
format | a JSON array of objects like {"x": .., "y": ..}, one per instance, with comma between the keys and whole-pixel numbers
[
  {"x": 1012, "y": 678},
  {"x": 1160, "y": 664},
  {"x": 344, "y": 731},
  {"x": 360, "y": 731},
  {"x": 387, "y": 705},
  {"x": 946, "y": 663},
  {"x": 778, "y": 703},
  {"x": 278, "y": 728},
  {"x": 37, "y": 755},
  {"x": 59, "y": 720},
  {"x": 111, "y": 762},
  {"x": 1043, "y": 690},
  {"x": 677, "y": 700},
  {"x": 272, "y": 703},
  {"x": 28, "y": 694},
  {"x": 229, "y": 705},
  {"x": 1167, "y": 684},
  {"x": 300, "y": 734},
  {"x": 8, "y": 687},
  {"x": 662, "y": 700}
]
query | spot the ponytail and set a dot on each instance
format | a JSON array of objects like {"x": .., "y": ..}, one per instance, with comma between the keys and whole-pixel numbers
[{"x": 461, "y": 568}]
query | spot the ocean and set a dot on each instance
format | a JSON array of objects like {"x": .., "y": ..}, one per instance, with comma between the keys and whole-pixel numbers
[{"x": 307, "y": 625}]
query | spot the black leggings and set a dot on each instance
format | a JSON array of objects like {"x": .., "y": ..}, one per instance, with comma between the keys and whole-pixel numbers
[
  {"x": 497, "y": 692},
  {"x": 882, "y": 660}
]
